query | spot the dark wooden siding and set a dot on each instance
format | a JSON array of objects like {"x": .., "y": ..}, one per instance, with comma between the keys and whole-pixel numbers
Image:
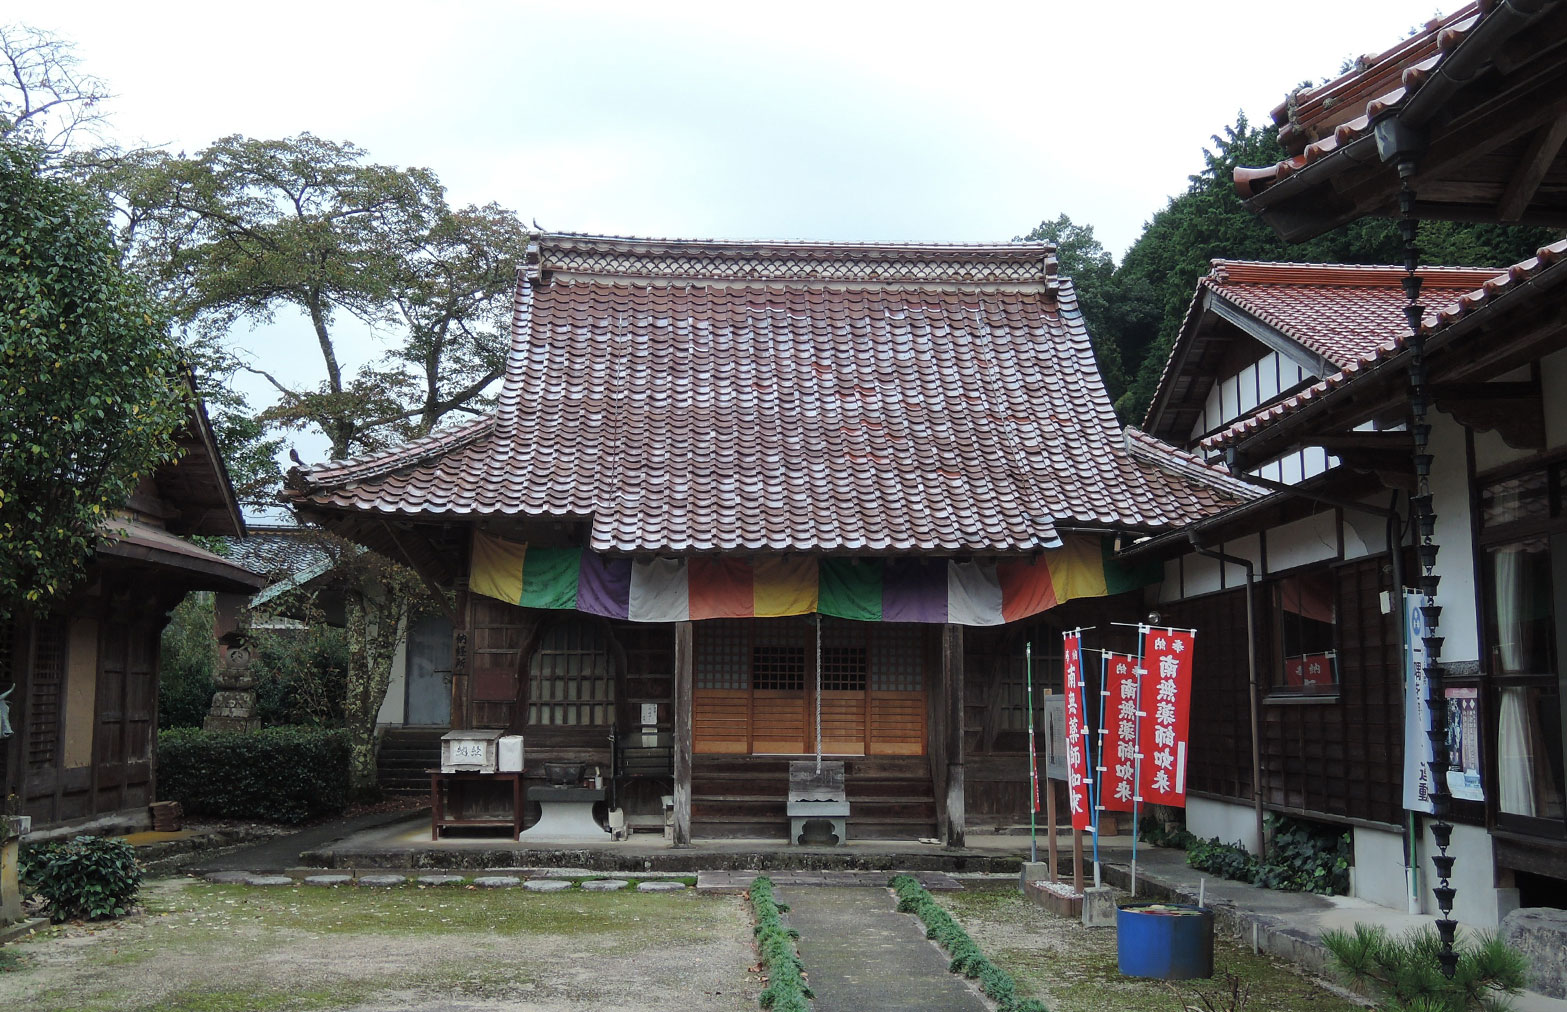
[
  {"x": 1334, "y": 759},
  {"x": 1220, "y": 758}
]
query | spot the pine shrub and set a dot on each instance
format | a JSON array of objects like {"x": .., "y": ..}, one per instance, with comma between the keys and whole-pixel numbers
[{"x": 1404, "y": 972}]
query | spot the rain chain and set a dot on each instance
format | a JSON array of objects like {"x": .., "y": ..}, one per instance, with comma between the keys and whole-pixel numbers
[{"x": 1421, "y": 513}]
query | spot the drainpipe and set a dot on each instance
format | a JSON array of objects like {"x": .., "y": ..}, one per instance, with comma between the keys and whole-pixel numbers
[{"x": 1251, "y": 679}]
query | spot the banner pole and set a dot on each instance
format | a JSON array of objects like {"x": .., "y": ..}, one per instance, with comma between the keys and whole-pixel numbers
[
  {"x": 1137, "y": 751},
  {"x": 1033, "y": 764},
  {"x": 1098, "y": 780}
]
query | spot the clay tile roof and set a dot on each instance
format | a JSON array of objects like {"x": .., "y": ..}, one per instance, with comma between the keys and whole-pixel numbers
[
  {"x": 1440, "y": 315},
  {"x": 1210, "y": 486},
  {"x": 1316, "y": 122},
  {"x": 1339, "y": 312},
  {"x": 705, "y": 396}
]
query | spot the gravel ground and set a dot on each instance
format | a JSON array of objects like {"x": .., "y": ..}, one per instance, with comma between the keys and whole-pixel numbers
[{"x": 209, "y": 948}]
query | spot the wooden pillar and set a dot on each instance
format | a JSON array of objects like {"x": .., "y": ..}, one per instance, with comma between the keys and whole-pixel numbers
[
  {"x": 683, "y": 668},
  {"x": 952, "y": 686},
  {"x": 459, "y": 718}
]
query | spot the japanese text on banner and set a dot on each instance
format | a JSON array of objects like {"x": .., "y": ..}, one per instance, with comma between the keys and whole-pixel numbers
[
  {"x": 1118, "y": 782},
  {"x": 1167, "y": 694},
  {"x": 1076, "y": 759}
]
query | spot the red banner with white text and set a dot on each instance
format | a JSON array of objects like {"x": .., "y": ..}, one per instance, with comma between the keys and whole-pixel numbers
[
  {"x": 1076, "y": 725},
  {"x": 1166, "y": 723},
  {"x": 1118, "y": 740}
]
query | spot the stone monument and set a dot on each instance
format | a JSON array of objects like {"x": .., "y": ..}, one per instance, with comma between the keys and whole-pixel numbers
[{"x": 234, "y": 702}]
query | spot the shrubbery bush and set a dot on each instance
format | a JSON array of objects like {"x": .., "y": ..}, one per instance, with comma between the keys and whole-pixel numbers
[
  {"x": 88, "y": 878},
  {"x": 279, "y": 774},
  {"x": 1302, "y": 857}
]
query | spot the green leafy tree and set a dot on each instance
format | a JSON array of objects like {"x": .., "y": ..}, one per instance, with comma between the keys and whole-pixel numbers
[
  {"x": 46, "y": 97},
  {"x": 1154, "y": 283},
  {"x": 1092, "y": 271},
  {"x": 92, "y": 389},
  {"x": 247, "y": 228}
]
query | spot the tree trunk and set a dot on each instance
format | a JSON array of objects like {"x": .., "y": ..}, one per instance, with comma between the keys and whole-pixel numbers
[{"x": 375, "y": 620}]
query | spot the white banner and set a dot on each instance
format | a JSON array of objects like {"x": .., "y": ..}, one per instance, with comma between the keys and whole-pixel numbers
[{"x": 1417, "y": 709}]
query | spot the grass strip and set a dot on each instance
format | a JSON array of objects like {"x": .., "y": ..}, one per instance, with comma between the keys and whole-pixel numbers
[
  {"x": 915, "y": 899},
  {"x": 786, "y": 989}
]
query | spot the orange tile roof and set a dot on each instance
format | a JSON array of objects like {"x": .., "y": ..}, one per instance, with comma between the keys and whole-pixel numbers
[
  {"x": 1495, "y": 286},
  {"x": 1340, "y": 312},
  {"x": 1319, "y": 121},
  {"x": 700, "y": 396}
]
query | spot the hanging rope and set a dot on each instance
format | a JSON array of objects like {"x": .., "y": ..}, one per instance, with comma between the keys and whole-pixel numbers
[{"x": 818, "y": 692}]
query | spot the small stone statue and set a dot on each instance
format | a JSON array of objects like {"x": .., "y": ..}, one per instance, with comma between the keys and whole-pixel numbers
[{"x": 5, "y": 713}]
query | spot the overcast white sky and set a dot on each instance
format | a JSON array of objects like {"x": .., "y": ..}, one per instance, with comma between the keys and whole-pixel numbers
[{"x": 967, "y": 121}]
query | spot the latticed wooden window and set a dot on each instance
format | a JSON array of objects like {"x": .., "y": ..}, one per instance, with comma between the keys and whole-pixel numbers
[
  {"x": 571, "y": 678},
  {"x": 46, "y": 688},
  {"x": 778, "y": 667},
  {"x": 843, "y": 669},
  {"x": 723, "y": 656},
  {"x": 896, "y": 661}
]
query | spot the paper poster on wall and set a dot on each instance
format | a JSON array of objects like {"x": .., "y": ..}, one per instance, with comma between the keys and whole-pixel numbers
[
  {"x": 1417, "y": 711},
  {"x": 1463, "y": 743}
]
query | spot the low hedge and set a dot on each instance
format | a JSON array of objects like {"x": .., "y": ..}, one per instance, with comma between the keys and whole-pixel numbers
[
  {"x": 89, "y": 878},
  {"x": 786, "y": 989},
  {"x": 276, "y": 774},
  {"x": 913, "y": 898}
]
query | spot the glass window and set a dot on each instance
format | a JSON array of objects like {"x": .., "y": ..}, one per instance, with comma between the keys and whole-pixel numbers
[
  {"x": 1305, "y": 610},
  {"x": 1523, "y": 557}
]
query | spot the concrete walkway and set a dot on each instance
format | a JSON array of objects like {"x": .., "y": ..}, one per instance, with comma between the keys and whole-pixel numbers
[
  {"x": 280, "y": 853},
  {"x": 860, "y": 953}
]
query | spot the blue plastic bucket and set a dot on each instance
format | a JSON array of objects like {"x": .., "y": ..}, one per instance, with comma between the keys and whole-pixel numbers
[{"x": 1167, "y": 941}]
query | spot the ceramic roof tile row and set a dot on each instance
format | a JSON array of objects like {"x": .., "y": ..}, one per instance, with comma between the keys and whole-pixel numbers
[
  {"x": 1496, "y": 286},
  {"x": 795, "y": 415},
  {"x": 1341, "y": 312},
  {"x": 1315, "y": 122}
]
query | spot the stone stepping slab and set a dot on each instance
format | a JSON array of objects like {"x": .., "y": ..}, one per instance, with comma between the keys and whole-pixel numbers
[
  {"x": 382, "y": 881},
  {"x": 660, "y": 887},
  {"x": 440, "y": 880},
  {"x": 547, "y": 885},
  {"x": 604, "y": 885},
  {"x": 328, "y": 880},
  {"x": 497, "y": 882}
]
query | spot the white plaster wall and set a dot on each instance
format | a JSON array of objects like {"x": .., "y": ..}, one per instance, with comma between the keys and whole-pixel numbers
[
  {"x": 1379, "y": 867},
  {"x": 1201, "y": 575},
  {"x": 1478, "y": 902},
  {"x": 1310, "y": 539},
  {"x": 1365, "y": 533},
  {"x": 1249, "y": 548},
  {"x": 394, "y": 707},
  {"x": 1455, "y": 560},
  {"x": 1207, "y": 818}
]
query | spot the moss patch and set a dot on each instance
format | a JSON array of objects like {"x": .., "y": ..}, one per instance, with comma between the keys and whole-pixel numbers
[{"x": 1073, "y": 968}]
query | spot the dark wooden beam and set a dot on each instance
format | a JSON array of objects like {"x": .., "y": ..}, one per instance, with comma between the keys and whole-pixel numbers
[
  {"x": 683, "y": 684},
  {"x": 1531, "y": 169},
  {"x": 1342, "y": 443},
  {"x": 1516, "y": 411},
  {"x": 424, "y": 576}
]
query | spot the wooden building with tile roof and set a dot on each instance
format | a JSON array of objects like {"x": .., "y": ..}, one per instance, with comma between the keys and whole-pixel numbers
[
  {"x": 82, "y": 680},
  {"x": 778, "y": 496}
]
